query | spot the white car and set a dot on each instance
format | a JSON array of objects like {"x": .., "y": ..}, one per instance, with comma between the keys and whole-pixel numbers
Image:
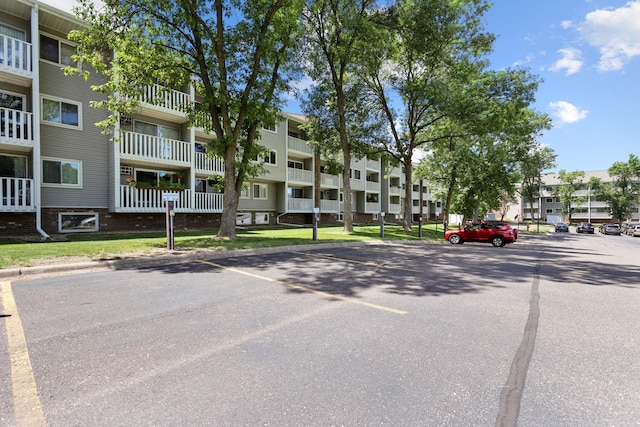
[{"x": 634, "y": 230}]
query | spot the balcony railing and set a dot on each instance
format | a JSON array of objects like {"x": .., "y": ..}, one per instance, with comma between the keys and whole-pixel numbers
[
  {"x": 372, "y": 207},
  {"x": 300, "y": 204},
  {"x": 16, "y": 127},
  {"x": 327, "y": 180},
  {"x": 206, "y": 164},
  {"x": 134, "y": 199},
  {"x": 395, "y": 191},
  {"x": 299, "y": 145},
  {"x": 329, "y": 205},
  {"x": 208, "y": 202},
  {"x": 139, "y": 146},
  {"x": 300, "y": 175},
  {"x": 373, "y": 186},
  {"x": 15, "y": 56},
  {"x": 373, "y": 165},
  {"x": 16, "y": 195},
  {"x": 161, "y": 96}
]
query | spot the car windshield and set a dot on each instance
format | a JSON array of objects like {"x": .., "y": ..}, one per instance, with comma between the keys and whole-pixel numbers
[{"x": 613, "y": 226}]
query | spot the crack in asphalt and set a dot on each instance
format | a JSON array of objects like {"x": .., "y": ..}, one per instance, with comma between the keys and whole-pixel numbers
[{"x": 512, "y": 391}]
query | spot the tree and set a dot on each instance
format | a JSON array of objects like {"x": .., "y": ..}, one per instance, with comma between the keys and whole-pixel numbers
[
  {"x": 622, "y": 193},
  {"x": 537, "y": 160},
  {"x": 570, "y": 182},
  {"x": 237, "y": 54},
  {"x": 338, "y": 34}
]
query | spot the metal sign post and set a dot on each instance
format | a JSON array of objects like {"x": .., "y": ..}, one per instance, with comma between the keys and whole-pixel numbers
[
  {"x": 316, "y": 211},
  {"x": 420, "y": 227},
  {"x": 381, "y": 224},
  {"x": 170, "y": 199}
]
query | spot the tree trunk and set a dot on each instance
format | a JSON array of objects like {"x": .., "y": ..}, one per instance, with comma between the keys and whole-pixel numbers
[
  {"x": 408, "y": 200},
  {"x": 231, "y": 197},
  {"x": 346, "y": 191}
]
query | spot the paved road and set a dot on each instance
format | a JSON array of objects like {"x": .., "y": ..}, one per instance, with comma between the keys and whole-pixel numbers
[{"x": 543, "y": 332}]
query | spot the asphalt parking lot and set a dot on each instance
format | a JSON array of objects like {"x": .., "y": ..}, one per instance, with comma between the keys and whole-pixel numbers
[{"x": 379, "y": 334}]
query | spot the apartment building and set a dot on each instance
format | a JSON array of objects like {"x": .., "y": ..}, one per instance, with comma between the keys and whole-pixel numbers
[
  {"x": 548, "y": 205},
  {"x": 59, "y": 173}
]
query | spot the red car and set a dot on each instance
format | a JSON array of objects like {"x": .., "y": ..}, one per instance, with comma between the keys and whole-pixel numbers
[{"x": 497, "y": 233}]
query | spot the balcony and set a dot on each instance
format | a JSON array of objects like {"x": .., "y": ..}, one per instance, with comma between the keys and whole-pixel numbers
[
  {"x": 207, "y": 165},
  {"x": 208, "y": 202},
  {"x": 297, "y": 205},
  {"x": 327, "y": 180},
  {"x": 163, "y": 102},
  {"x": 16, "y": 128},
  {"x": 302, "y": 176},
  {"x": 395, "y": 208},
  {"x": 395, "y": 191},
  {"x": 373, "y": 186},
  {"x": 373, "y": 165},
  {"x": 16, "y": 195},
  {"x": 15, "y": 61},
  {"x": 154, "y": 149},
  {"x": 299, "y": 145},
  {"x": 133, "y": 199},
  {"x": 329, "y": 205}
]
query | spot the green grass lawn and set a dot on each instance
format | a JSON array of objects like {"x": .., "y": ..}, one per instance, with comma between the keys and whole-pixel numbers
[{"x": 98, "y": 246}]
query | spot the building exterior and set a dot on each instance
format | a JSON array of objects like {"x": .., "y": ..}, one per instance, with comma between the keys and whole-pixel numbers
[
  {"x": 60, "y": 173},
  {"x": 547, "y": 206}
]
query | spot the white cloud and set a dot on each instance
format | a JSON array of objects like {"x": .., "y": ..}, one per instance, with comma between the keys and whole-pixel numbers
[
  {"x": 616, "y": 34},
  {"x": 566, "y": 24},
  {"x": 567, "y": 112},
  {"x": 571, "y": 61}
]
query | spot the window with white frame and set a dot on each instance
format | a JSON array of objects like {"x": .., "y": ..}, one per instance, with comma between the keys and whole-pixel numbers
[
  {"x": 260, "y": 191},
  {"x": 271, "y": 128},
  {"x": 13, "y": 166},
  {"x": 56, "y": 50},
  {"x": 61, "y": 112},
  {"x": 61, "y": 172},
  {"x": 244, "y": 192},
  {"x": 549, "y": 200},
  {"x": 271, "y": 158},
  {"x": 293, "y": 164}
]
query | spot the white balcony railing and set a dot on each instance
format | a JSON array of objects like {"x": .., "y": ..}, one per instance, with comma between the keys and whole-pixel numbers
[
  {"x": 16, "y": 195},
  {"x": 373, "y": 186},
  {"x": 139, "y": 146},
  {"x": 300, "y": 175},
  {"x": 299, "y": 145},
  {"x": 395, "y": 191},
  {"x": 15, "y": 56},
  {"x": 161, "y": 96},
  {"x": 208, "y": 202},
  {"x": 395, "y": 208},
  {"x": 373, "y": 164},
  {"x": 206, "y": 164},
  {"x": 329, "y": 205},
  {"x": 300, "y": 204},
  {"x": 16, "y": 127},
  {"x": 371, "y": 207},
  {"x": 133, "y": 199},
  {"x": 327, "y": 180}
]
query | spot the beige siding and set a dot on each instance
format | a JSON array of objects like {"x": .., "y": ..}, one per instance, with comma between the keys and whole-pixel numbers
[{"x": 87, "y": 145}]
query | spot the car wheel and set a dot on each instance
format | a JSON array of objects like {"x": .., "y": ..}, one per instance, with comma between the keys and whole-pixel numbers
[
  {"x": 455, "y": 239},
  {"x": 497, "y": 241}
]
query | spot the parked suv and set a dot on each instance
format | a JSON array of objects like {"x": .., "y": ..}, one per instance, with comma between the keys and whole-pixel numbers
[
  {"x": 497, "y": 233},
  {"x": 584, "y": 227}
]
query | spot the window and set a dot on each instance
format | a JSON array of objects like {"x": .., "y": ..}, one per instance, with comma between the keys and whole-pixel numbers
[
  {"x": 295, "y": 193},
  {"x": 372, "y": 198},
  {"x": 295, "y": 165},
  {"x": 148, "y": 178},
  {"x": 244, "y": 193},
  {"x": 357, "y": 174},
  {"x": 271, "y": 128},
  {"x": 74, "y": 222},
  {"x": 55, "y": 50},
  {"x": 270, "y": 158},
  {"x": 13, "y": 166},
  {"x": 549, "y": 211},
  {"x": 61, "y": 172},
  {"x": 260, "y": 191},
  {"x": 156, "y": 130},
  {"x": 61, "y": 112},
  {"x": 549, "y": 200}
]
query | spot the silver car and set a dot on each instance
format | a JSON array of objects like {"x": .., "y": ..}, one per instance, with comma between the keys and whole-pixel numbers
[{"x": 634, "y": 230}]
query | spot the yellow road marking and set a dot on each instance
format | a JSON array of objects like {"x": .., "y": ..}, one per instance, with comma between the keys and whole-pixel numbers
[
  {"x": 368, "y": 263},
  {"x": 27, "y": 406},
  {"x": 305, "y": 289}
]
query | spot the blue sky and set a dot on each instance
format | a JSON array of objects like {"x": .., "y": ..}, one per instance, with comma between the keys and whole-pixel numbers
[{"x": 587, "y": 52}]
